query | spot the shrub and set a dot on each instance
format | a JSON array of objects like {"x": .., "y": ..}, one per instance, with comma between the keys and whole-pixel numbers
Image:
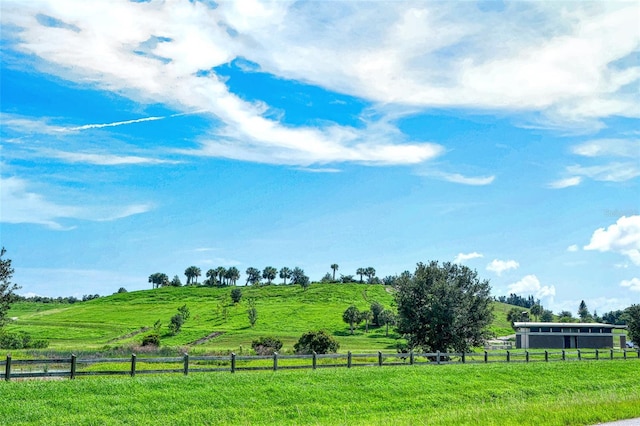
[
  {"x": 176, "y": 323},
  {"x": 152, "y": 339},
  {"x": 316, "y": 341},
  {"x": 236, "y": 295},
  {"x": 21, "y": 340},
  {"x": 266, "y": 345}
]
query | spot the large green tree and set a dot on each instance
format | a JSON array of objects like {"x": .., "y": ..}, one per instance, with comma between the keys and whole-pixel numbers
[
  {"x": 7, "y": 288},
  {"x": 361, "y": 272},
  {"x": 444, "y": 307},
  {"x": 632, "y": 316}
]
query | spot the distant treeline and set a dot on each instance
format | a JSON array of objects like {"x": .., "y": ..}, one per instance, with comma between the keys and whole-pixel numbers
[
  {"x": 45, "y": 299},
  {"x": 514, "y": 299}
]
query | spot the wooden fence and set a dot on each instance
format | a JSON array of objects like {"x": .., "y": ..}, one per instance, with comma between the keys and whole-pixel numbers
[{"x": 73, "y": 367}]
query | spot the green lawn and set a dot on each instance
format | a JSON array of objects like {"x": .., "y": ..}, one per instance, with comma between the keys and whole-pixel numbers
[
  {"x": 283, "y": 311},
  {"x": 570, "y": 393}
]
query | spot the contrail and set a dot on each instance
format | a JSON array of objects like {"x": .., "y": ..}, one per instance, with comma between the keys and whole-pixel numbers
[{"x": 122, "y": 123}]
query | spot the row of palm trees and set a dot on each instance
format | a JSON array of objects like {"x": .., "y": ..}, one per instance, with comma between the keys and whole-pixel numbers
[{"x": 229, "y": 276}]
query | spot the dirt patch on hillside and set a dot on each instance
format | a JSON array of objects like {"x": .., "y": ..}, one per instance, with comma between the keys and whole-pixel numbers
[
  {"x": 207, "y": 338},
  {"x": 133, "y": 333}
]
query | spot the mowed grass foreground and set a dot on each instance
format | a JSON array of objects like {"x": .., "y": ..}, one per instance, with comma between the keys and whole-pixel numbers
[{"x": 573, "y": 393}]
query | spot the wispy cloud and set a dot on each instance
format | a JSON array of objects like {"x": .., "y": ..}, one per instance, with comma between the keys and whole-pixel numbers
[
  {"x": 609, "y": 147},
  {"x": 104, "y": 159},
  {"x": 465, "y": 180},
  {"x": 126, "y": 122},
  {"x": 20, "y": 205},
  {"x": 612, "y": 171},
  {"x": 566, "y": 183},
  {"x": 563, "y": 73}
]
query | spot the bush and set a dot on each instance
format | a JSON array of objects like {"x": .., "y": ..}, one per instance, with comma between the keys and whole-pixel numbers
[
  {"x": 20, "y": 340},
  {"x": 266, "y": 345},
  {"x": 176, "y": 323},
  {"x": 152, "y": 339},
  {"x": 316, "y": 341},
  {"x": 236, "y": 295}
]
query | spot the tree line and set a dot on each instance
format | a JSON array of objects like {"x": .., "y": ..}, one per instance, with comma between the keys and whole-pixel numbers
[{"x": 222, "y": 276}]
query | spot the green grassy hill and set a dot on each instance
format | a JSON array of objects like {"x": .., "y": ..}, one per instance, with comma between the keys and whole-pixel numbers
[{"x": 283, "y": 311}]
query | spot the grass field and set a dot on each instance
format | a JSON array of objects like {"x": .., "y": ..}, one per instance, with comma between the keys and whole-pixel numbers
[
  {"x": 571, "y": 393},
  {"x": 283, "y": 311}
]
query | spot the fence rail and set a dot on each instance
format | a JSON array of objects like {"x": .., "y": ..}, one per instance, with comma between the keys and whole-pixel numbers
[{"x": 73, "y": 367}]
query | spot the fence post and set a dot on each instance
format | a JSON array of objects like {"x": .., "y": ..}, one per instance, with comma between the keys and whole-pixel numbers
[
  {"x": 611, "y": 353},
  {"x": 624, "y": 352},
  {"x": 379, "y": 359},
  {"x": 314, "y": 360},
  {"x": 526, "y": 355},
  {"x": 349, "y": 359},
  {"x": 412, "y": 360},
  {"x": 133, "y": 365},
  {"x": 597, "y": 354},
  {"x": 508, "y": 356},
  {"x": 275, "y": 361},
  {"x": 486, "y": 357},
  {"x": 564, "y": 355},
  {"x": 546, "y": 355},
  {"x": 7, "y": 369},
  {"x": 72, "y": 375},
  {"x": 463, "y": 357},
  {"x": 438, "y": 357},
  {"x": 186, "y": 364},
  {"x": 579, "y": 355},
  {"x": 638, "y": 353}
]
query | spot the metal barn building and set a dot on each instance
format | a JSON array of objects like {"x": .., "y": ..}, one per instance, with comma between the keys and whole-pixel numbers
[{"x": 564, "y": 335}]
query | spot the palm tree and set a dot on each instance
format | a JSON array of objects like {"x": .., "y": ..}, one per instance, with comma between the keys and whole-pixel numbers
[
  {"x": 269, "y": 273},
  {"x": 361, "y": 272},
  {"x": 221, "y": 271},
  {"x": 211, "y": 277},
  {"x": 285, "y": 273},
  {"x": 370, "y": 272},
  {"x": 158, "y": 280},
  {"x": 192, "y": 273},
  {"x": 233, "y": 274},
  {"x": 335, "y": 268},
  {"x": 253, "y": 275}
]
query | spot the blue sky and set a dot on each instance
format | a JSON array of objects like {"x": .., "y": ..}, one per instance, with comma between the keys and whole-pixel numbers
[{"x": 148, "y": 136}]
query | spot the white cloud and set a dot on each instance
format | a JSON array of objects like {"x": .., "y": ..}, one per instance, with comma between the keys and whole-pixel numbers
[
  {"x": 633, "y": 284},
  {"x": 573, "y": 248},
  {"x": 530, "y": 285},
  {"x": 613, "y": 171},
  {"x": 621, "y": 237},
  {"x": 609, "y": 147},
  {"x": 566, "y": 183},
  {"x": 19, "y": 205},
  {"x": 104, "y": 159},
  {"x": 465, "y": 180},
  {"x": 499, "y": 266},
  {"x": 566, "y": 65},
  {"x": 462, "y": 257}
]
